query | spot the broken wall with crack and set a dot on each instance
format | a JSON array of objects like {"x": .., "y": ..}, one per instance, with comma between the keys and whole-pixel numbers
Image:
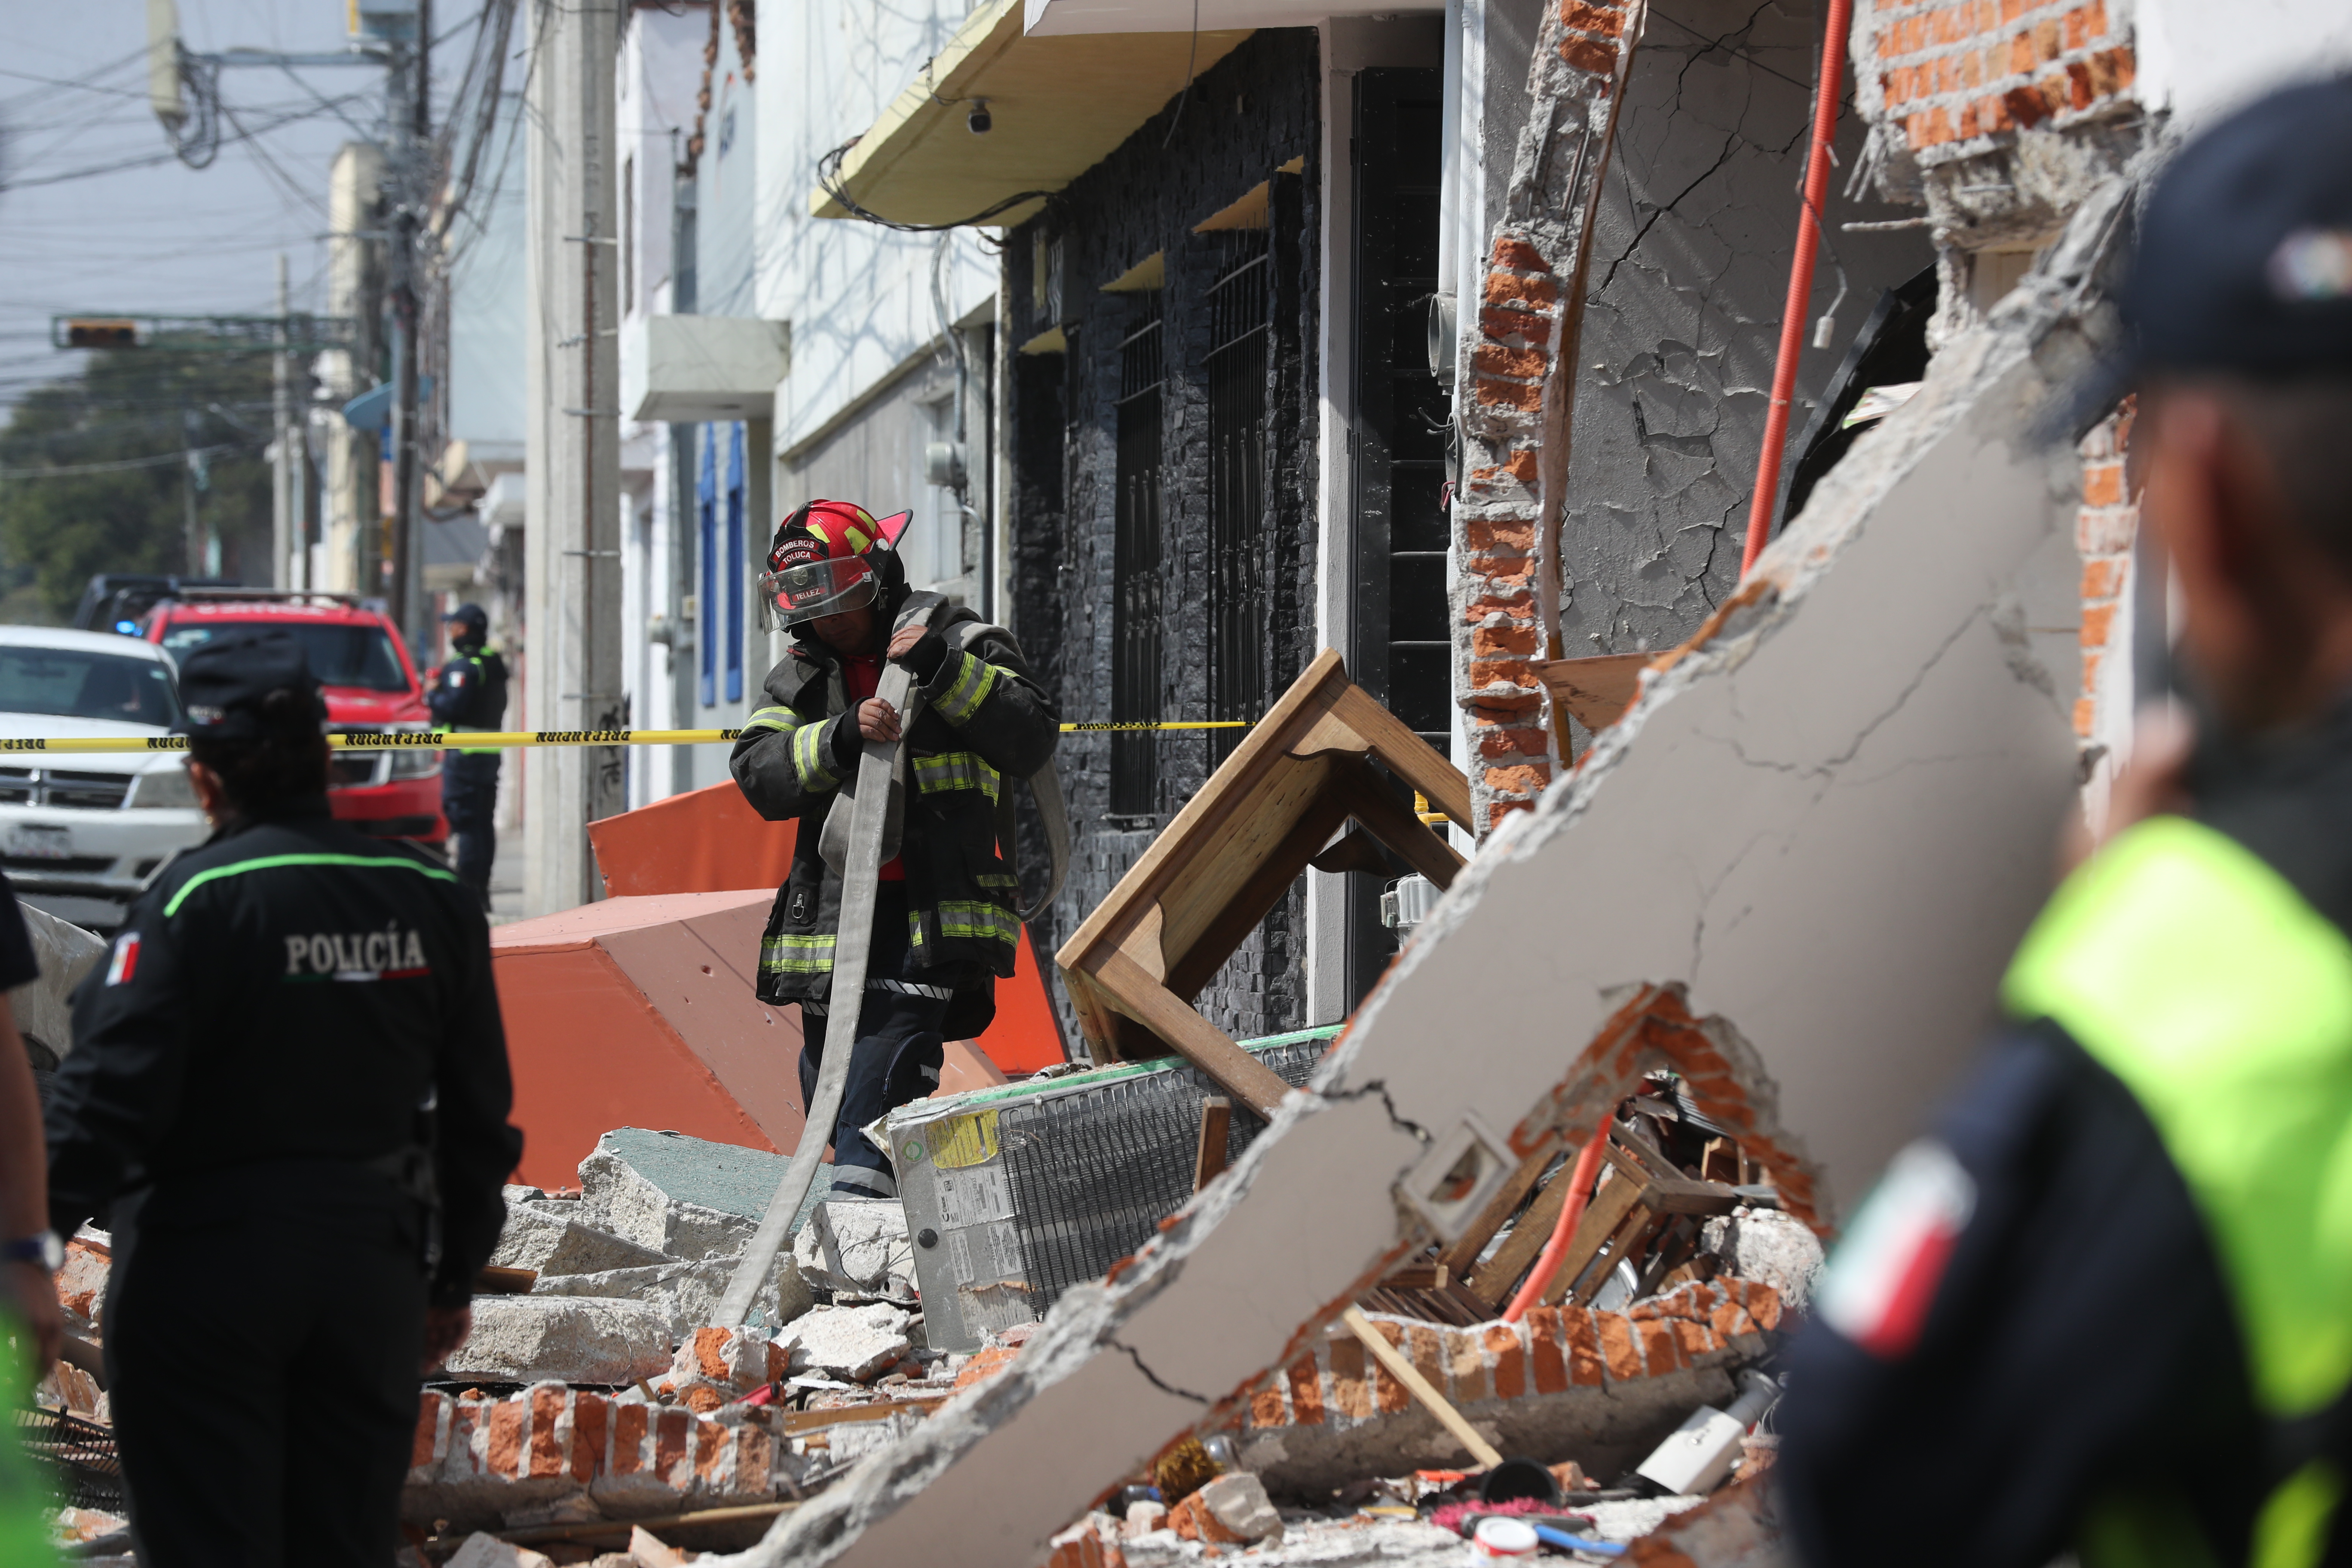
[
  {"x": 1901, "y": 760},
  {"x": 1689, "y": 275}
]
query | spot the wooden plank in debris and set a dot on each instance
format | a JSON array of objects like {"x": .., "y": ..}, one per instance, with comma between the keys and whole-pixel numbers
[
  {"x": 1492, "y": 1279},
  {"x": 1463, "y": 1256},
  {"x": 799, "y": 1421},
  {"x": 1421, "y": 1276},
  {"x": 1618, "y": 1198},
  {"x": 1217, "y": 1126},
  {"x": 539, "y": 1535},
  {"x": 1395, "y": 1364},
  {"x": 1200, "y": 1042},
  {"x": 493, "y": 1280},
  {"x": 1628, "y": 1240}
]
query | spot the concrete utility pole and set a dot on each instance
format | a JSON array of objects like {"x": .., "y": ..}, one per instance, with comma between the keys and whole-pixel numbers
[
  {"x": 286, "y": 471},
  {"x": 191, "y": 527},
  {"x": 572, "y": 545},
  {"x": 409, "y": 123}
]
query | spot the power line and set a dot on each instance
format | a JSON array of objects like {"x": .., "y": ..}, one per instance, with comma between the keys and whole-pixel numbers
[
  {"x": 161, "y": 460},
  {"x": 149, "y": 161}
]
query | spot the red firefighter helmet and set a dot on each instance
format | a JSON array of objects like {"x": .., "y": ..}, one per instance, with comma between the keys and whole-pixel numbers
[{"x": 825, "y": 558}]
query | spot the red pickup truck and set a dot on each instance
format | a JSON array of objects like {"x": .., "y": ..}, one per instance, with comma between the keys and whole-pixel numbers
[{"x": 371, "y": 685}]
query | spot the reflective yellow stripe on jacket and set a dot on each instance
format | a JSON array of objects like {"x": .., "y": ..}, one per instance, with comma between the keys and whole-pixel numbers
[
  {"x": 789, "y": 954},
  {"x": 955, "y": 770},
  {"x": 2192, "y": 971},
  {"x": 967, "y": 690},
  {"x": 809, "y": 761}
]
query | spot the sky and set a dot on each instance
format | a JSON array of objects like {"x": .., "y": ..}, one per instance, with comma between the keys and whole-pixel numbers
[{"x": 81, "y": 232}]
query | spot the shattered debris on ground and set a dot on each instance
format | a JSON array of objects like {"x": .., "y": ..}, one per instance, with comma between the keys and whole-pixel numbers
[{"x": 595, "y": 1415}]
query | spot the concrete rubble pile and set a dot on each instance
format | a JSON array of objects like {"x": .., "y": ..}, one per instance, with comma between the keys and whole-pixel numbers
[{"x": 592, "y": 1394}]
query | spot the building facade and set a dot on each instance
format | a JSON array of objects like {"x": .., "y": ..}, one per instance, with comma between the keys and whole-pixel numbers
[{"x": 1191, "y": 346}]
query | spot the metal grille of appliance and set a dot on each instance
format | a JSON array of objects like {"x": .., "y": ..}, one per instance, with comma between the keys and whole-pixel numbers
[
  {"x": 85, "y": 1471},
  {"x": 1094, "y": 1172}
]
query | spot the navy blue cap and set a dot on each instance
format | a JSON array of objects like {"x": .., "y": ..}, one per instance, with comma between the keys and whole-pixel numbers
[
  {"x": 2244, "y": 261},
  {"x": 224, "y": 683},
  {"x": 471, "y": 617}
]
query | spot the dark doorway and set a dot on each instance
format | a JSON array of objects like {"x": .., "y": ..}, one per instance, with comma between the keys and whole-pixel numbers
[{"x": 1400, "y": 651}]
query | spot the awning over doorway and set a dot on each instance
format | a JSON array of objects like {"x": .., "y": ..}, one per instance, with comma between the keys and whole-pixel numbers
[{"x": 1056, "y": 107}]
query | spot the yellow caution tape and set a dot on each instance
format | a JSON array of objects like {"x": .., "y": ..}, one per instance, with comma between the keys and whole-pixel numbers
[{"x": 508, "y": 739}]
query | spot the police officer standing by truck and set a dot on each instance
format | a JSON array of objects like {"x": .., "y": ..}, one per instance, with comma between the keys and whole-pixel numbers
[
  {"x": 288, "y": 1098},
  {"x": 470, "y": 692}
]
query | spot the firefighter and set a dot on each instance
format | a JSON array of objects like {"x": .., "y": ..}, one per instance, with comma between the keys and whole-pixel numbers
[
  {"x": 944, "y": 924},
  {"x": 287, "y": 1096},
  {"x": 2106, "y": 1307},
  {"x": 470, "y": 692}
]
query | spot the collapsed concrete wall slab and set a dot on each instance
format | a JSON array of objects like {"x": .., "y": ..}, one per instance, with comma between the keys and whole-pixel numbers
[{"x": 1792, "y": 871}]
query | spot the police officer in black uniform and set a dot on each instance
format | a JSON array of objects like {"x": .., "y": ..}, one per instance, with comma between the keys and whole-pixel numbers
[
  {"x": 287, "y": 1096},
  {"x": 470, "y": 693}
]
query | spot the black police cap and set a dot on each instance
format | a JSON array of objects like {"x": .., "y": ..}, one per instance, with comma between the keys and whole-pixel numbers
[
  {"x": 223, "y": 684},
  {"x": 473, "y": 617},
  {"x": 2244, "y": 261}
]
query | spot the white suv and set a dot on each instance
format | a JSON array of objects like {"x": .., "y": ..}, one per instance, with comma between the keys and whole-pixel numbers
[{"x": 81, "y": 834}]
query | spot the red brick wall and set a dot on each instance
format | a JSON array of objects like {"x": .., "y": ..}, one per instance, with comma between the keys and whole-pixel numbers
[
  {"x": 1954, "y": 73},
  {"x": 1518, "y": 326},
  {"x": 2104, "y": 529},
  {"x": 1520, "y": 286}
]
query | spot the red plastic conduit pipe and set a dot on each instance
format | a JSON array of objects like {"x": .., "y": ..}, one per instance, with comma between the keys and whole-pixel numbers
[
  {"x": 1766, "y": 501},
  {"x": 1572, "y": 1213}
]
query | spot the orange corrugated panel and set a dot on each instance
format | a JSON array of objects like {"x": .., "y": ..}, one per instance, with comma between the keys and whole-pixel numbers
[
  {"x": 711, "y": 840},
  {"x": 638, "y": 1012},
  {"x": 703, "y": 841}
]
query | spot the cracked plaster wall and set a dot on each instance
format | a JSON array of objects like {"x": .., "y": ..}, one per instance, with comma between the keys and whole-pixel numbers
[
  {"x": 1901, "y": 759},
  {"x": 1690, "y": 272}
]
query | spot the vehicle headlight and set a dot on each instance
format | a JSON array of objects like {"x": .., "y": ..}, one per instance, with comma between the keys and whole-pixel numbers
[
  {"x": 165, "y": 788},
  {"x": 416, "y": 764}
]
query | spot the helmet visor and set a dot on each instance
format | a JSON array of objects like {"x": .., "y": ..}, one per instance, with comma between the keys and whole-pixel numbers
[{"x": 812, "y": 588}]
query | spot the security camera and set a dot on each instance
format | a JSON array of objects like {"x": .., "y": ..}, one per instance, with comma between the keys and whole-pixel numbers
[{"x": 979, "y": 119}]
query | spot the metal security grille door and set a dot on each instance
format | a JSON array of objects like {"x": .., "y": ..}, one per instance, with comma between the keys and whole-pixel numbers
[
  {"x": 1239, "y": 531},
  {"x": 1135, "y": 569},
  {"x": 1401, "y": 650},
  {"x": 1403, "y": 647}
]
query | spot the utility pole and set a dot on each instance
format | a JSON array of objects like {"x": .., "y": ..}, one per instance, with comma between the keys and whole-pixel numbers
[
  {"x": 408, "y": 116},
  {"x": 284, "y": 470},
  {"x": 572, "y": 548},
  {"x": 195, "y": 528}
]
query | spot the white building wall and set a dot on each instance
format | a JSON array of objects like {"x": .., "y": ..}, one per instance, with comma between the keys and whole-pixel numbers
[
  {"x": 868, "y": 306},
  {"x": 659, "y": 71}
]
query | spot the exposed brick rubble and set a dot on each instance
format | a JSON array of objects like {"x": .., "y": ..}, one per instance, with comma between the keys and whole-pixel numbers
[
  {"x": 478, "y": 1460},
  {"x": 1550, "y": 1350},
  {"x": 1952, "y": 77},
  {"x": 2105, "y": 531},
  {"x": 1515, "y": 420}
]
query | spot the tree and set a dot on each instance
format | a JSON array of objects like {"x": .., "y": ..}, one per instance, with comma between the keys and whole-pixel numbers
[{"x": 66, "y": 515}]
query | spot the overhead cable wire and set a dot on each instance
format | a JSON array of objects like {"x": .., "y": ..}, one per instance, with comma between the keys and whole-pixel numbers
[
  {"x": 162, "y": 459},
  {"x": 828, "y": 179},
  {"x": 150, "y": 159}
]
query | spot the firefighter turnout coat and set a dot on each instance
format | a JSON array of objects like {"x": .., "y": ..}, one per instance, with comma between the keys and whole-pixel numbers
[{"x": 982, "y": 724}]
